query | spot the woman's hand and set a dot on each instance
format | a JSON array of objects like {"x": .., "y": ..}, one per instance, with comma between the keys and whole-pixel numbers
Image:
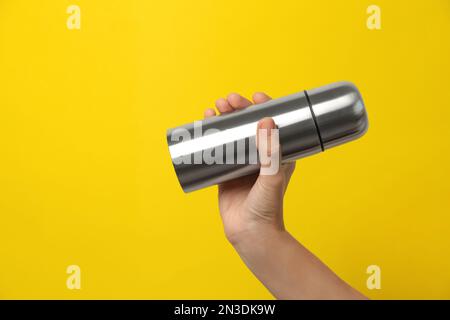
[
  {"x": 252, "y": 213},
  {"x": 252, "y": 204}
]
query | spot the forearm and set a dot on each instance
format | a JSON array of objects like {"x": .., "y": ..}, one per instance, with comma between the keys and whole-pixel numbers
[{"x": 288, "y": 269}]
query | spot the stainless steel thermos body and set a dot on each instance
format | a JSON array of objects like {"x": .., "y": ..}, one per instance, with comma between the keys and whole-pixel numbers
[{"x": 309, "y": 122}]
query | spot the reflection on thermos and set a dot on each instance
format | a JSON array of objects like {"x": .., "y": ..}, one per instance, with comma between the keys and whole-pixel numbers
[{"x": 309, "y": 122}]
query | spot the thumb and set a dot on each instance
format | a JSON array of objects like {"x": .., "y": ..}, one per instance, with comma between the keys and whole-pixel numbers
[{"x": 269, "y": 151}]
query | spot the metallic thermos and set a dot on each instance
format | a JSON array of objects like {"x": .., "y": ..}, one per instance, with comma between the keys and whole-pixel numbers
[{"x": 309, "y": 122}]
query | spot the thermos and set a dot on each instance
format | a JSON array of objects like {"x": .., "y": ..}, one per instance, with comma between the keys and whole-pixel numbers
[{"x": 309, "y": 122}]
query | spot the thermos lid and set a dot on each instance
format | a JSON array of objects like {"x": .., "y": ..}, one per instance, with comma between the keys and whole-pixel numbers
[{"x": 339, "y": 113}]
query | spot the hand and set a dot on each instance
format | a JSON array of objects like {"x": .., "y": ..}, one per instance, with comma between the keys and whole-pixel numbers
[
  {"x": 252, "y": 213},
  {"x": 252, "y": 204}
]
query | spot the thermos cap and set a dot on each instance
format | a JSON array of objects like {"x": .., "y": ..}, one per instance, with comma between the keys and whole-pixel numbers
[{"x": 339, "y": 112}]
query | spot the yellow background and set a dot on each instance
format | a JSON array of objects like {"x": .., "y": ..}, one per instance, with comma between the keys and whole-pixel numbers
[{"x": 85, "y": 175}]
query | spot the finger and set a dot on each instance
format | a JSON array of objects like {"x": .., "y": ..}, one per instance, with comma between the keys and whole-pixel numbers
[
  {"x": 273, "y": 174},
  {"x": 223, "y": 106},
  {"x": 273, "y": 152},
  {"x": 260, "y": 97},
  {"x": 209, "y": 113},
  {"x": 268, "y": 146},
  {"x": 264, "y": 129},
  {"x": 237, "y": 101}
]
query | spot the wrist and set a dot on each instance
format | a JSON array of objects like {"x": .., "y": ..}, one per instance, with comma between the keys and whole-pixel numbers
[{"x": 257, "y": 236}]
